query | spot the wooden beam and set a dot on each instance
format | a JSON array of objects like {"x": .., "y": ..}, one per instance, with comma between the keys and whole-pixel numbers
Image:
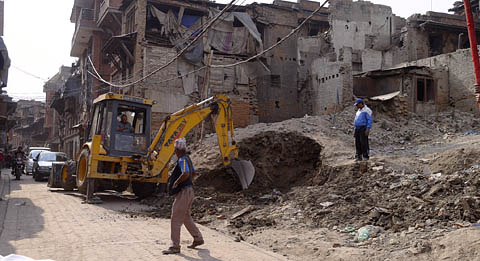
[
  {"x": 180, "y": 15},
  {"x": 205, "y": 90},
  {"x": 112, "y": 59},
  {"x": 127, "y": 52}
]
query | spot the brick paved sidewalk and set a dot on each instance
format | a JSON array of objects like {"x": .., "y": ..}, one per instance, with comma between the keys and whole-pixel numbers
[{"x": 45, "y": 224}]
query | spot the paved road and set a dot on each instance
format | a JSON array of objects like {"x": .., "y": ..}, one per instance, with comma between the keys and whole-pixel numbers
[{"x": 42, "y": 223}]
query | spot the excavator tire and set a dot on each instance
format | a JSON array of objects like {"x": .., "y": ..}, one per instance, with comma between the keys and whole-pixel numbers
[
  {"x": 68, "y": 179},
  {"x": 82, "y": 171},
  {"x": 143, "y": 189}
]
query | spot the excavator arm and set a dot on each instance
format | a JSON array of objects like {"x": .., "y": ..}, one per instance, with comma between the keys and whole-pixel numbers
[{"x": 180, "y": 123}]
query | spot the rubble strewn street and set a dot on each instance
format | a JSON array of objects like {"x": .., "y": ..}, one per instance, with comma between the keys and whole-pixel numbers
[
  {"x": 286, "y": 130},
  {"x": 312, "y": 200}
]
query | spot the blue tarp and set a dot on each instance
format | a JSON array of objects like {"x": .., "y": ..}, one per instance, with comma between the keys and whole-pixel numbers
[{"x": 188, "y": 20}]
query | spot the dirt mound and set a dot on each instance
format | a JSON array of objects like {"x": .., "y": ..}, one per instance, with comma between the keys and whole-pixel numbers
[
  {"x": 281, "y": 159},
  {"x": 458, "y": 160}
]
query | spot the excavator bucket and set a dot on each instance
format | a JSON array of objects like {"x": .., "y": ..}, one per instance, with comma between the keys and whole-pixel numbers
[{"x": 244, "y": 170}]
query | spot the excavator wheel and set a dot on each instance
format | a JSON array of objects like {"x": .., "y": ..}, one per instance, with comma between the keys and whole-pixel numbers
[
  {"x": 143, "y": 189},
  {"x": 68, "y": 180},
  {"x": 82, "y": 171}
]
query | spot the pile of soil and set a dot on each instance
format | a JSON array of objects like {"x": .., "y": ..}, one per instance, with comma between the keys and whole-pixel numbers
[
  {"x": 459, "y": 159},
  {"x": 282, "y": 160}
]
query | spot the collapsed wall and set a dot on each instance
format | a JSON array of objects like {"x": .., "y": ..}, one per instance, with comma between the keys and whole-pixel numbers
[
  {"x": 461, "y": 81},
  {"x": 360, "y": 35}
]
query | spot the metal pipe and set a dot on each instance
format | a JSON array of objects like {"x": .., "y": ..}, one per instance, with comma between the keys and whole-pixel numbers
[{"x": 473, "y": 45}]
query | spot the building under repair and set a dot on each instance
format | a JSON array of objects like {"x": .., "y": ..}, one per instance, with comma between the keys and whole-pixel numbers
[{"x": 348, "y": 49}]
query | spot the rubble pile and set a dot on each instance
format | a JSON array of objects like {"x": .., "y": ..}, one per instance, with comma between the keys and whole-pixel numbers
[
  {"x": 390, "y": 134},
  {"x": 385, "y": 198},
  {"x": 459, "y": 159},
  {"x": 281, "y": 160},
  {"x": 421, "y": 180},
  {"x": 294, "y": 186}
]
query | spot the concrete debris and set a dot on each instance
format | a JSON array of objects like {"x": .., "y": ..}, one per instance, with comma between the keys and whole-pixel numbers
[{"x": 327, "y": 204}]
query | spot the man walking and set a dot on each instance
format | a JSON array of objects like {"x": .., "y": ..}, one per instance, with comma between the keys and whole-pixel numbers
[
  {"x": 363, "y": 124},
  {"x": 180, "y": 185}
]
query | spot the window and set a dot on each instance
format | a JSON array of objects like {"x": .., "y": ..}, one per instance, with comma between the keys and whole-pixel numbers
[
  {"x": 107, "y": 125},
  {"x": 135, "y": 118},
  {"x": 130, "y": 22},
  {"x": 420, "y": 90},
  {"x": 275, "y": 81},
  {"x": 96, "y": 120},
  {"x": 131, "y": 129},
  {"x": 52, "y": 156},
  {"x": 425, "y": 90}
]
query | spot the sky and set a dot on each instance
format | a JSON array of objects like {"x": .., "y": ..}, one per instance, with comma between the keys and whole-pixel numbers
[{"x": 38, "y": 35}]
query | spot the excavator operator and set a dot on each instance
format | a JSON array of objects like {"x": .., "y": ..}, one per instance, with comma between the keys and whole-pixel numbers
[{"x": 124, "y": 125}]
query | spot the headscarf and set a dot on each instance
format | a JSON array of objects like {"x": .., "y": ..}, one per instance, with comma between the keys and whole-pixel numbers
[{"x": 181, "y": 144}]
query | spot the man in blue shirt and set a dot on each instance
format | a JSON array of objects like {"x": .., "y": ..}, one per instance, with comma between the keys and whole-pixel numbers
[
  {"x": 181, "y": 186},
  {"x": 363, "y": 124},
  {"x": 124, "y": 125}
]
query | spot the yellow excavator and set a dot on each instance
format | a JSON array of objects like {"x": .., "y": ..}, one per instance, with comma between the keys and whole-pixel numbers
[{"x": 118, "y": 152}]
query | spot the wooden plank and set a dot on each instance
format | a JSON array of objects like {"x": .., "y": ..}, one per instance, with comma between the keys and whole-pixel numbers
[
  {"x": 180, "y": 15},
  {"x": 242, "y": 212}
]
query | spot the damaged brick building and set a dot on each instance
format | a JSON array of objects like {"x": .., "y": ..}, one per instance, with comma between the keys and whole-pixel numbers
[
  {"x": 130, "y": 39},
  {"x": 351, "y": 48},
  {"x": 28, "y": 120}
]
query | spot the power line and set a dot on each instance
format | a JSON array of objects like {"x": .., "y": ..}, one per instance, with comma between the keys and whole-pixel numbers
[
  {"x": 29, "y": 74},
  {"x": 204, "y": 30},
  {"x": 275, "y": 45},
  {"x": 296, "y": 29},
  {"x": 132, "y": 76}
]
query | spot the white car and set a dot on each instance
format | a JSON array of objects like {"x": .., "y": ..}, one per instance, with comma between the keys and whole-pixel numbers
[{"x": 29, "y": 166}]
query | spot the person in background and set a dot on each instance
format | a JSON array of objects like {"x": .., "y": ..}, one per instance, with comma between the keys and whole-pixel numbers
[
  {"x": 363, "y": 124},
  {"x": 17, "y": 154},
  {"x": 2, "y": 160}
]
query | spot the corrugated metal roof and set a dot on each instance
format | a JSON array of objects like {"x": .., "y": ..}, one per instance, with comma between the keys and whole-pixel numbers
[{"x": 385, "y": 97}]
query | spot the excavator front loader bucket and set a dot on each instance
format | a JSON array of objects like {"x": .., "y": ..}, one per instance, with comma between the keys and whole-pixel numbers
[{"x": 244, "y": 170}]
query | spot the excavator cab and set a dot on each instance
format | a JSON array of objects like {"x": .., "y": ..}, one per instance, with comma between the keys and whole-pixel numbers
[{"x": 123, "y": 123}]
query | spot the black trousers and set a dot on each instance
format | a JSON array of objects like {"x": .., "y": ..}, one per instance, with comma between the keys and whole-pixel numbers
[{"x": 361, "y": 143}]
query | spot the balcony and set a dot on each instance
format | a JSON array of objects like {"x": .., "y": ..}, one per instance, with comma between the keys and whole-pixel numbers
[
  {"x": 110, "y": 12},
  {"x": 85, "y": 25}
]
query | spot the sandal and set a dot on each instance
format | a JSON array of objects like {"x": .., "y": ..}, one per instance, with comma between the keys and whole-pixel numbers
[
  {"x": 196, "y": 243},
  {"x": 171, "y": 250}
]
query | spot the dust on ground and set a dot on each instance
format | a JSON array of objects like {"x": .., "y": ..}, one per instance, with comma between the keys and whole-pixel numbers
[{"x": 310, "y": 200}]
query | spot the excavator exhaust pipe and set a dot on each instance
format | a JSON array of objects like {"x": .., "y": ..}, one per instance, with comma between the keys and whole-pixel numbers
[{"x": 244, "y": 170}]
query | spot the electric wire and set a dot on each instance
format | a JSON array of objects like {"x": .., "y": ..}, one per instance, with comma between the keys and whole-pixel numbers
[
  {"x": 295, "y": 30},
  {"x": 29, "y": 73},
  {"x": 275, "y": 45},
  {"x": 132, "y": 76},
  {"x": 204, "y": 30}
]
